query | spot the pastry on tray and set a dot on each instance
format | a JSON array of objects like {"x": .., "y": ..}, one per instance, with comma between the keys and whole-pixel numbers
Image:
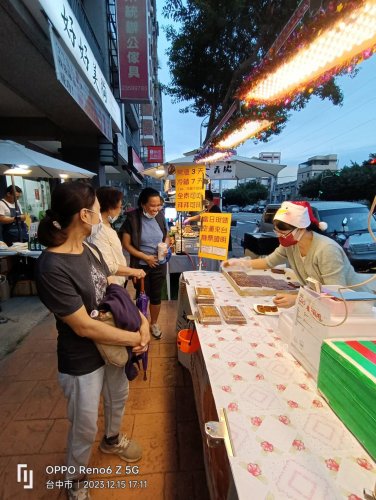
[
  {"x": 204, "y": 295},
  {"x": 266, "y": 309},
  {"x": 258, "y": 281},
  {"x": 276, "y": 270},
  {"x": 233, "y": 315},
  {"x": 209, "y": 315}
]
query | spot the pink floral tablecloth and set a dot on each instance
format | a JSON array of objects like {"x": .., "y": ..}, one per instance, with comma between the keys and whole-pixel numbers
[{"x": 288, "y": 442}]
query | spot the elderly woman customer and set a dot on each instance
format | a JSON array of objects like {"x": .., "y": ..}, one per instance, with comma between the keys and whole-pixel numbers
[
  {"x": 71, "y": 282},
  {"x": 106, "y": 239},
  {"x": 143, "y": 229},
  {"x": 309, "y": 253}
]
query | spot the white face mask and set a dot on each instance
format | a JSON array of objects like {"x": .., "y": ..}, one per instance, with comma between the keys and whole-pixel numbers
[
  {"x": 148, "y": 216},
  {"x": 111, "y": 220},
  {"x": 95, "y": 227}
]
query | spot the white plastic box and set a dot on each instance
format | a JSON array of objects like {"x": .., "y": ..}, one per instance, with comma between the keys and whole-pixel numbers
[{"x": 308, "y": 333}]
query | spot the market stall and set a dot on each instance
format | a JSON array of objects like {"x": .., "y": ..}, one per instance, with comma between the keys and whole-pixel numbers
[{"x": 283, "y": 440}]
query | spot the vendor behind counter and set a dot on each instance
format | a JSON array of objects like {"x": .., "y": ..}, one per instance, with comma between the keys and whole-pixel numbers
[{"x": 12, "y": 220}]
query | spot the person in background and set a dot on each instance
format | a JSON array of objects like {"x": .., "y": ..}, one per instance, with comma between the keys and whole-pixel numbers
[
  {"x": 309, "y": 253},
  {"x": 106, "y": 238},
  {"x": 72, "y": 282},
  {"x": 210, "y": 206},
  {"x": 12, "y": 219},
  {"x": 141, "y": 232}
]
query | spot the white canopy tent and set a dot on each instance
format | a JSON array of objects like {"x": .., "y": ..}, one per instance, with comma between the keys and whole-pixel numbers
[
  {"x": 41, "y": 165},
  {"x": 235, "y": 168}
]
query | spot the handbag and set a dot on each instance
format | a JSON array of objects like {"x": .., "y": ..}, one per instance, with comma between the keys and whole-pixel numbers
[{"x": 116, "y": 355}]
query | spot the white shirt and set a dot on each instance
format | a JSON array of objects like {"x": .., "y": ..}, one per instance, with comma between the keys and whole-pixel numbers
[
  {"x": 108, "y": 242},
  {"x": 4, "y": 210}
]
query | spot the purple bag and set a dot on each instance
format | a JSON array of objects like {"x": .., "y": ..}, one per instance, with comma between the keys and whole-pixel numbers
[
  {"x": 127, "y": 317},
  {"x": 124, "y": 310}
]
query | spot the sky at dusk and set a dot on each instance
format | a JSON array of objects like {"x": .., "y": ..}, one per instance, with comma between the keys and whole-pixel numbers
[{"x": 320, "y": 129}]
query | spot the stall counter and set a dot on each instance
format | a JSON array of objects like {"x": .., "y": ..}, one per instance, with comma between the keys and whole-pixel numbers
[{"x": 287, "y": 442}]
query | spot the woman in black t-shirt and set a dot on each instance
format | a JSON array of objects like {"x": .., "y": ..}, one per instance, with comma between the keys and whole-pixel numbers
[{"x": 71, "y": 282}]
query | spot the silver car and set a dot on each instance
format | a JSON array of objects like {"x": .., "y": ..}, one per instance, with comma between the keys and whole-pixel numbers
[{"x": 347, "y": 224}]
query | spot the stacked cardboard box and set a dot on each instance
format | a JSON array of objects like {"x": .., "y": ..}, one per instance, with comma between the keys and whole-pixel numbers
[{"x": 347, "y": 380}]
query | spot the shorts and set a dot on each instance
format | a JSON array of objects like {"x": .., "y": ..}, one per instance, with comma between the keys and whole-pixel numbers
[{"x": 154, "y": 279}]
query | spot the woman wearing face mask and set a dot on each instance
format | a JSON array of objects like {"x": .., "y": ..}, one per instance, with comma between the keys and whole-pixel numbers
[
  {"x": 71, "y": 282},
  {"x": 308, "y": 252},
  {"x": 143, "y": 229},
  {"x": 106, "y": 238}
]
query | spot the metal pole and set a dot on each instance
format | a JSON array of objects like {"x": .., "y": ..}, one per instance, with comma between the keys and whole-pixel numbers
[{"x": 16, "y": 206}]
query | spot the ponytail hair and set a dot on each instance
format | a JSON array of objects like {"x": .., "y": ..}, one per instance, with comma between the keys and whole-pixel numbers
[{"x": 67, "y": 200}]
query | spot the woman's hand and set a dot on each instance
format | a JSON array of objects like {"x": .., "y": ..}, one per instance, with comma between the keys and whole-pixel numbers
[
  {"x": 138, "y": 273},
  {"x": 151, "y": 260},
  {"x": 140, "y": 349},
  {"x": 145, "y": 333},
  {"x": 285, "y": 300},
  {"x": 145, "y": 336},
  {"x": 244, "y": 263}
]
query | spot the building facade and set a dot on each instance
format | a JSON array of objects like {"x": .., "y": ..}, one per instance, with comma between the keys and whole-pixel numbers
[
  {"x": 307, "y": 170},
  {"x": 60, "y": 83},
  {"x": 314, "y": 166}
]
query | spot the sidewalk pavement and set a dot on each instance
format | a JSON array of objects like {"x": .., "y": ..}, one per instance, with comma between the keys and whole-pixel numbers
[
  {"x": 160, "y": 414},
  {"x": 22, "y": 313}
]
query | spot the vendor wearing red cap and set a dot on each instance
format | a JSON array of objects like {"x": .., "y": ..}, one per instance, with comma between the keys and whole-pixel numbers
[{"x": 308, "y": 252}]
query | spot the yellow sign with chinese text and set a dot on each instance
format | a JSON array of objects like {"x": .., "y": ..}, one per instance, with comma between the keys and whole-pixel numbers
[
  {"x": 214, "y": 235},
  {"x": 190, "y": 190}
]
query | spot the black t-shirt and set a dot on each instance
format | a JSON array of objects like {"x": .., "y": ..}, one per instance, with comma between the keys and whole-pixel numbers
[
  {"x": 215, "y": 210},
  {"x": 65, "y": 283}
]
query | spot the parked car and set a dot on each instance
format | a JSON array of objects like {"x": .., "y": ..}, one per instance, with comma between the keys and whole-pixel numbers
[
  {"x": 247, "y": 208},
  {"x": 347, "y": 224},
  {"x": 234, "y": 209}
]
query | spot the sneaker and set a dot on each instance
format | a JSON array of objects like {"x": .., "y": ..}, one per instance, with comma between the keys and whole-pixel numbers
[
  {"x": 78, "y": 491},
  {"x": 156, "y": 331},
  {"x": 126, "y": 449}
]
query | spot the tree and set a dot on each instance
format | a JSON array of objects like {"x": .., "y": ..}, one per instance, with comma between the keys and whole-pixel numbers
[
  {"x": 217, "y": 43},
  {"x": 353, "y": 183},
  {"x": 244, "y": 194}
]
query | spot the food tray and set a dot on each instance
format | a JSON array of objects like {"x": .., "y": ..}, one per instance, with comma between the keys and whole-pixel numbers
[
  {"x": 208, "y": 315},
  {"x": 233, "y": 315},
  {"x": 260, "y": 282},
  {"x": 204, "y": 295}
]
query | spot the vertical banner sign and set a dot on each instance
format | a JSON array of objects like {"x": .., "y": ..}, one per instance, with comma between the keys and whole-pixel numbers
[
  {"x": 189, "y": 185},
  {"x": 214, "y": 236},
  {"x": 132, "y": 21},
  {"x": 64, "y": 21}
]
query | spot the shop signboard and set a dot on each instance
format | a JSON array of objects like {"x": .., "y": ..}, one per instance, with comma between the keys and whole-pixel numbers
[
  {"x": 133, "y": 45},
  {"x": 64, "y": 21},
  {"x": 69, "y": 76},
  {"x": 155, "y": 154},
  {"x": 135, "y": 162},
  {"x": 214, "y": 235},
  {"x": 122, "y": 147},
  {"x": 225, "y": 170},
  {"x": 190, "y": 190}
]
